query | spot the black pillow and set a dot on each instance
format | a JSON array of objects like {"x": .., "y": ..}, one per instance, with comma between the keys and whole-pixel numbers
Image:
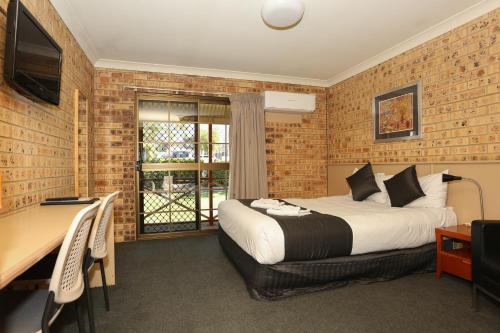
[
  {"x": 404, "y": 187},
  {"x": 363, "y": 183}
]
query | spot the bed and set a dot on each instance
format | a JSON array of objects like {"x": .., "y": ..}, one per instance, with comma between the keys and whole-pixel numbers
[{"x": 386, "y": 243}]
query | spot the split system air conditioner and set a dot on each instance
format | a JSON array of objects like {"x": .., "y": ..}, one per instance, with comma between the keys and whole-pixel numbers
[{"x": 289, "y": 102}]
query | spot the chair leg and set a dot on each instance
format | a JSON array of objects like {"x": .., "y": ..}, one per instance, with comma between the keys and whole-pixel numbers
[
  {"x": 104, "y": 284},
  {"x": 474, "y": 297},
  {"x": 90, "y": 306},
  {"x": 47, "y": 312},
  {"x": 79, "y": 318}
]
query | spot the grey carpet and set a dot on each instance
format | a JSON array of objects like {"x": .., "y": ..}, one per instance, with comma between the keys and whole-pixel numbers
[{"x": 188, "y": 285}]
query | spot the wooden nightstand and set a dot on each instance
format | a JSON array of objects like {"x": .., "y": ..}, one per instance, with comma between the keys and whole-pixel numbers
[{"x": 454, "y": 261}]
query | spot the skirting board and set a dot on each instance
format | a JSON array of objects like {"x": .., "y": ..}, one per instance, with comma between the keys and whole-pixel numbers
[{"x": 462, "y": 195}]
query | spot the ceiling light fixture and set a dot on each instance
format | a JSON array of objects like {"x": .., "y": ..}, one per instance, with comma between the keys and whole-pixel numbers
[{"x": 282, "y": 14}]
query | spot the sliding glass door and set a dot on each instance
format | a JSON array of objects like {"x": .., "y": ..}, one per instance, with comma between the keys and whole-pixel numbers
[{"x": 183, "y": 162}]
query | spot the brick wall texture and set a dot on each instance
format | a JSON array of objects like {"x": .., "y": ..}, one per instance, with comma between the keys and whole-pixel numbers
[
  {"x": 460, "y": 75},
  {"x": 36, "y": 139},
  {"x": 296, "y": 152}
]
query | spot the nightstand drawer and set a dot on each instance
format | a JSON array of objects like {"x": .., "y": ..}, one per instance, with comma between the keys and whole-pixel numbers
[{"x": 456, "y": 265}]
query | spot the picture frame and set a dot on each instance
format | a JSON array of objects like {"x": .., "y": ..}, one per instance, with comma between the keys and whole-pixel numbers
[{"x": 397, "y": 113}]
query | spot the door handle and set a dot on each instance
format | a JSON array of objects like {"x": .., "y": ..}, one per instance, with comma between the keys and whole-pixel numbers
[{"x": 138, "y": 166}]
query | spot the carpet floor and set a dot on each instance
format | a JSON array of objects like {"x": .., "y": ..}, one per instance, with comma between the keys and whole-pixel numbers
[{"x": 188, "y": 285}]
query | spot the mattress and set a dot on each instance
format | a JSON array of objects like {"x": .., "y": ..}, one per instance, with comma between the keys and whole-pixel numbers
[{"x": 375, "y": 226}]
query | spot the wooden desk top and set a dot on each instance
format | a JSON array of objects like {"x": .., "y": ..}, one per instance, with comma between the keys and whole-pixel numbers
[{"x": 28, "y": 236}]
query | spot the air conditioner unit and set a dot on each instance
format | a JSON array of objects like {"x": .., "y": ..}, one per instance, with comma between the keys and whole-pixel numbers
[{"x": 289, "y": 102}]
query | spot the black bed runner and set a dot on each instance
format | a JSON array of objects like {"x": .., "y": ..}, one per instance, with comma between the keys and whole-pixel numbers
[{"x": 313, "y": 236}]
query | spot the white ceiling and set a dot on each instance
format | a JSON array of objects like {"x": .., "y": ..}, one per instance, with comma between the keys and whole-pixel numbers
[{"x": 228, "y": 38}]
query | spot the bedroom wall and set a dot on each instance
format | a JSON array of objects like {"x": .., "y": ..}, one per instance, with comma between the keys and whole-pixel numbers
[
  {"x": 460, "y": 75},
  {"x": 296, "y": 148},
  {"x": 36, "y": 139}
]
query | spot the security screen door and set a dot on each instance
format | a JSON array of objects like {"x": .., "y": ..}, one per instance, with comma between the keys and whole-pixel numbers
[{"x": 182, "y": 163}]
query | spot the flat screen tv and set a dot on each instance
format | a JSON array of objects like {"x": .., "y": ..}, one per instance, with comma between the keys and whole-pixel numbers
[{"x": 32, "y": 57}]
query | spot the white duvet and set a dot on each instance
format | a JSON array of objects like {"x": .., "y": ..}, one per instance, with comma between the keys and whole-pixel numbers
[{"x": 375, "y": 226}]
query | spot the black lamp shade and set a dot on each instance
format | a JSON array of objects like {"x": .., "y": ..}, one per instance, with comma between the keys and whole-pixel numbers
[{"x": 449, "y": 178}]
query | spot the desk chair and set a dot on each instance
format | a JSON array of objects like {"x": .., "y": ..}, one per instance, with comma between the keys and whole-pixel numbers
[
  {"x": 25, "y": 311},
  {"x": 97, "y": 251}
]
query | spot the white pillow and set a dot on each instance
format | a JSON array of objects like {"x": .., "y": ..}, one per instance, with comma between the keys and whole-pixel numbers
[
  {"x": 435, "y": 191},
  {"x": 380, "y": 197}
]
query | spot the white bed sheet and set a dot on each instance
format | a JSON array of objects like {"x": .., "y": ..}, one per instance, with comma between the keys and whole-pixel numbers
[{"x": 375, "y": 226}]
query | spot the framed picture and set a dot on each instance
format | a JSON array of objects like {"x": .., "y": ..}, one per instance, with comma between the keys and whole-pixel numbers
[{"x": 397, "y": 113}]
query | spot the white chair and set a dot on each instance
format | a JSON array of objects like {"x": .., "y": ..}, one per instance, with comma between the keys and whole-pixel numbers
[
  {"x": 25, "y": 311},
  {"x": 97, "y": 251}
]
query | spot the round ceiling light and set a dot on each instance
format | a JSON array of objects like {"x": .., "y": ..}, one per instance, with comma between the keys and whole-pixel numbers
[{"x": 282, "y": 14}]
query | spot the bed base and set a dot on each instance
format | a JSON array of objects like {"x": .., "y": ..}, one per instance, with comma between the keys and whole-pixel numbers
[{"x": 284, "y": 279}]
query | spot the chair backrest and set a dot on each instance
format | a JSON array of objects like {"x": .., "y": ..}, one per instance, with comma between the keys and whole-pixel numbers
[
  {"x": 97, "y": 240},
  {"x": 67, "y": 277}
]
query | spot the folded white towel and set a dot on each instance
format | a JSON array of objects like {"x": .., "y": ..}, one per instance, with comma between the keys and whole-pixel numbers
[
  {"x": 290, "y": 208},
  {"x": 287, "y": 210},
  {"x": 266, "y": 203},
  {"x": 265, "y": 206}
]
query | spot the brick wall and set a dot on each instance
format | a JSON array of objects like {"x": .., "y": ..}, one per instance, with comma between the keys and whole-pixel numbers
[
  {"x": 36, "y": 139},
  {"x": 296, "y": 152},
  {"x": 460, "y": 74}
]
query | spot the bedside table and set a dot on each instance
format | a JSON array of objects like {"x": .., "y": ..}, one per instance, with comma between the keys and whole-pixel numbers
[{"x": 454, "y": 261}]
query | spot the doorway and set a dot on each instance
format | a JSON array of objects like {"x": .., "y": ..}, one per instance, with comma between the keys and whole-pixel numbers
[{"x": 182, "y": 162}]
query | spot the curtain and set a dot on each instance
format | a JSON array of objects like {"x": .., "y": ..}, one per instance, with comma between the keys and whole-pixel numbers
[{"x": 247, "y": 169}]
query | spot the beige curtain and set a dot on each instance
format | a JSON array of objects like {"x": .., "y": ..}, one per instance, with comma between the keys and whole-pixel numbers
[{"x": 247, "y": 170}]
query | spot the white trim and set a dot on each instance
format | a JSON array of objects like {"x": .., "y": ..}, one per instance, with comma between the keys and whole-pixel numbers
[
  {"x": 65, "y": 9},
  {"x": 445, "y": 26},
  {"x": 70, "y": 17},
  {"x": 159, "y": 68}
]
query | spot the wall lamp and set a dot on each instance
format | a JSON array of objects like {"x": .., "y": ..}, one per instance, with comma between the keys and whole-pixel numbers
[{"x": 450, "y": 178}]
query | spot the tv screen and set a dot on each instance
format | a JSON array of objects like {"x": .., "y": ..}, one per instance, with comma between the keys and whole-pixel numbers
[{"x": 32, "y": 57}]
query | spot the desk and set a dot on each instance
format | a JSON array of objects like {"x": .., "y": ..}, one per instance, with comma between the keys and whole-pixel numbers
[{"x": 29, "y": 235}]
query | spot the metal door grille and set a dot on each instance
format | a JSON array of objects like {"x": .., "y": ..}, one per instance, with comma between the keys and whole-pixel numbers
[{"x": 169, "y": 201}]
